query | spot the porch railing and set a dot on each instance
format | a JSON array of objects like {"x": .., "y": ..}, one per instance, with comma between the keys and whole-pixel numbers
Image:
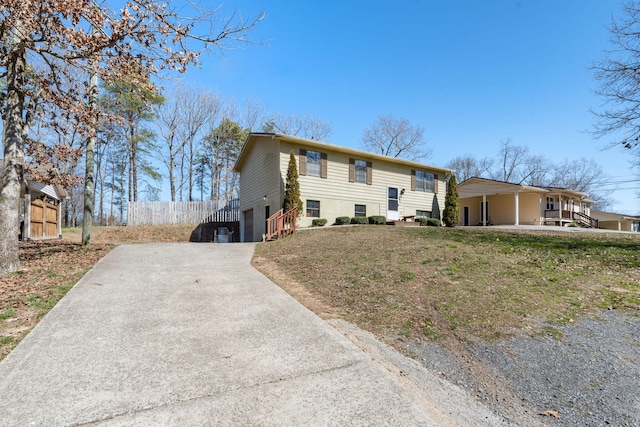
[
  {"x": 579, "y": 217},
  {"x": 281, "y": 224}
]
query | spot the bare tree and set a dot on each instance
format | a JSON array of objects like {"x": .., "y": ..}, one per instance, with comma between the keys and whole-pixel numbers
[
  {"x": 181, "y": 122},
  {"x": 303, "y": 126},
  {"x": 511, "y": 161},
  {"x": 56, "y": 40},
  {"x": 395, "y": 137},
  {"x": 468, "y": 166},
  {"x": 617, "y": 76}
]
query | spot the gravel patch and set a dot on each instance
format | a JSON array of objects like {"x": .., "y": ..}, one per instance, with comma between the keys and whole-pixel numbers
[{"x": 586, "y": 374}]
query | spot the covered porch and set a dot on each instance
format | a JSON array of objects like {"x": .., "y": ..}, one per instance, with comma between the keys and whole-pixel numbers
[{"x": 489, "y": 202}]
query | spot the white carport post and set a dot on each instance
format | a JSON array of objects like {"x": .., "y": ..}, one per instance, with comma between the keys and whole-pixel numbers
[
  {"x": 484, "y": 209},
  {"x": 517, "y": 202}
]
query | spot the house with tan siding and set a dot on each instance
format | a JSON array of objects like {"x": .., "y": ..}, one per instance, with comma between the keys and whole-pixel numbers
[
  {"x": 334, "y": 181},
  {"x": 490, "y": 202},
  {"x": 616, "y": 221}
]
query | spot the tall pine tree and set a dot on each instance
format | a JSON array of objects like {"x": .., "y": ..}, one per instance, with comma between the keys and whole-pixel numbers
[
  {"x": 292, "y": 187},
  {"x": 451, "y": 214}
]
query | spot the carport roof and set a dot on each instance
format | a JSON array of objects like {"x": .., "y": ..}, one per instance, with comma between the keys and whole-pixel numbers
[{"x": 475, "y": 186}]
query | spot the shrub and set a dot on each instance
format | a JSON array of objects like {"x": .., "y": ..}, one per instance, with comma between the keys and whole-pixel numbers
[
  {"x": 359, "y": 220},
  {"x": 451, "y": 215},
  {"x": 431, "y": 222},
  {"x": 377, "y": 219},
  {"x": 342, "y": 220},
  {"x": 318, "y": 222}
]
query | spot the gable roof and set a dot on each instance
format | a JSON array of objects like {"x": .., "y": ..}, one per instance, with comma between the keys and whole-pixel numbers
[
  {"x": 612, "y": 216},
  {"x": 475, "y": 186},
  {"x": 323, "y": 146},
  {"x": 54, "y": 191}
]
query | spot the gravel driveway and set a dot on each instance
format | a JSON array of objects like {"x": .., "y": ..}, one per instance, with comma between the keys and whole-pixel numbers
[{"x": 589, "y": 376}]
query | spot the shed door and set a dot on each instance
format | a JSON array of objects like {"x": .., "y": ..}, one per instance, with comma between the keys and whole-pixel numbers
[
  {"x": 248, "y": 225},
  {"x": 393, "y": 203},
  {"x": 44, "y": 219}
]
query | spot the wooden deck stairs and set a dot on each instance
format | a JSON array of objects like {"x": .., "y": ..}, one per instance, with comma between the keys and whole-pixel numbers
[{"x": 281, "y": 224}]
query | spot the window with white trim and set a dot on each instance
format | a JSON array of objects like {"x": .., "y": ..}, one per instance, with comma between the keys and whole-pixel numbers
[
  {"x": 361, "y": 210},
  {"x": 550, "y": 204}
]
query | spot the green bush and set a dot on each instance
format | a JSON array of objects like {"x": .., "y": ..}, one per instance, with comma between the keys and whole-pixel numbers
[
  {"x": 359, "y": 220},
  {"x": 434, "y": 222},
  {"x": 342, "y": 220},
  {"x": 431, "y": 222},
  {"x": 377, "y": 219},
  {"x": 318, "y": 222}
]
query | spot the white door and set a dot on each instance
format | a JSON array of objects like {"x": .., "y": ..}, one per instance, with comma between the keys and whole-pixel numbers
[{"x": 393, "y": 203}]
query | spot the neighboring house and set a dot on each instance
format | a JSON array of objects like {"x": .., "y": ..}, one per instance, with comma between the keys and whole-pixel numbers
[
  {"x": 40, "y": 211},
  {"x": 334, "y": 181},
  {"x": 489, "y": 202},
  {"x": 614, "y": 221}
]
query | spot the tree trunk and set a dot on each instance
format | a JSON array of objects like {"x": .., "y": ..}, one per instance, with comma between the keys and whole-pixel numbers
[
  {"x": 87, "y": 218},
  {"x": 13, "y": 146}
]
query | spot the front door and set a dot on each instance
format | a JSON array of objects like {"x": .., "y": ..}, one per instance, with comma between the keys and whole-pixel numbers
[
  {"x": 466, "y": 216},
  {"x": 393, "y": 204}
]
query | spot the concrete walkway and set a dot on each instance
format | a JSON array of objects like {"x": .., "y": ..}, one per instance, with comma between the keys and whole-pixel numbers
[{"x": 191, "y": 334}]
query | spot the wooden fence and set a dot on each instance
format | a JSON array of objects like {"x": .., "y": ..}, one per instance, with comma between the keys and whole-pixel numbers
[{"x": 155, "y": 213}]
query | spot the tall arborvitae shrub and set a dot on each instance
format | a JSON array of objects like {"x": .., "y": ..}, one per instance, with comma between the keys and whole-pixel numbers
[
  {"x": 451, "y": 214},
  {"x": 292, "y": 187}
]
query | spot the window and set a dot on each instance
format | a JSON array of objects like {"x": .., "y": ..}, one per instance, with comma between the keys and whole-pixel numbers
[
  {"x": 360, "y": 171},
  {"x": 313, "y": 208},
  {"x": 423, "y": 214},
  {"x": 361, "y": 210},
  {"x": 313, "y": 163},
  {"x": 550, "y": 204},
  {"x": 423, "y": 181}
]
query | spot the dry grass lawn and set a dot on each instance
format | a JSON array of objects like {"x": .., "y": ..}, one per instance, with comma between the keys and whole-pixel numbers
[{"x": 462, "y": 284}]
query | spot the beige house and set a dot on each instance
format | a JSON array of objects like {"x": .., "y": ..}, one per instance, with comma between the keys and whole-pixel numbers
[
  {"x": 489, "y": 202},
  {"x": 619, "y": 222},
  {"x": 334, "y": 181}
]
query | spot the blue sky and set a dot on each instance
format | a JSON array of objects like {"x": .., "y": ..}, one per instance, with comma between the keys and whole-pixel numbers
[{"x": 471, "y": 73}]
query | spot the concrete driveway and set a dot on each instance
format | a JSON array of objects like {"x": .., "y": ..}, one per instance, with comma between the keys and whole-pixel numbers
[{"x": 191, "y": 334}]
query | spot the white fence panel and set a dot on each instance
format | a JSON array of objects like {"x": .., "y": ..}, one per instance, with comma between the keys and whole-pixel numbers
[{"x": 156, "y": 213}]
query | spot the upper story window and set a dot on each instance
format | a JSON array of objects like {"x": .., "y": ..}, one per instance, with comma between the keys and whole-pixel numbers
[
  {"x": 424, "y": 181},
  {"x": 360, "y": 171},
  {"x": 313, "y": 163}
]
